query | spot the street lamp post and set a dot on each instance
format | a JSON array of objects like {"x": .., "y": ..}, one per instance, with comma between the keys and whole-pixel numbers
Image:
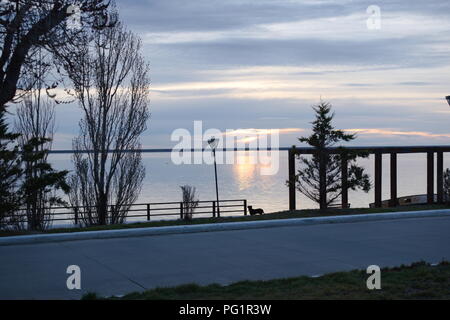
[{"x": 213, "y": 144}]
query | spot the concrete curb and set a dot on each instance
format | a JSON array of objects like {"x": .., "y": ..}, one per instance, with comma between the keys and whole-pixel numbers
[{"x": 153, "y": 231}]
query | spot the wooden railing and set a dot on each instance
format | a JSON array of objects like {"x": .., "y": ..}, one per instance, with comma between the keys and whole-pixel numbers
[
  {"x": 149, "y": 211},
  {"x": 378, "y": 153}
]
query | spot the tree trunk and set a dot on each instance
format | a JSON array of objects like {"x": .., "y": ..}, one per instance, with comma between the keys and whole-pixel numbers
[{"x": 102, "y": 209}]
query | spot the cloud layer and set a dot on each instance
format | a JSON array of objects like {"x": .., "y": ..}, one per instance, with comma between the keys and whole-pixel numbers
[{"x": 262, "y": 64}]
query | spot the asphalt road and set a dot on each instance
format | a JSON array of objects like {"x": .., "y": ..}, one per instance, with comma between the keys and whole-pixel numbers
[{"x": 119, "y": 266}]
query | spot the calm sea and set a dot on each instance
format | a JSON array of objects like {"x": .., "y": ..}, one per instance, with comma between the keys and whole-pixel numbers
[{"x": 245, "y": 181}]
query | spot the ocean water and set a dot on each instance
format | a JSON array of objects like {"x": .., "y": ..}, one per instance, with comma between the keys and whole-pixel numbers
[{"x": 244, "y": 180}]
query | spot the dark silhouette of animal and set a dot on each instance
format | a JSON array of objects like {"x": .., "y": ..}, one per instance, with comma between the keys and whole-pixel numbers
[{"x": 255, "y": 211}]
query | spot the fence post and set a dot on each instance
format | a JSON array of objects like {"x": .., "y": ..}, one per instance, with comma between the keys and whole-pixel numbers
[
  {"x": 111, "y": 216},
  {"x": 378, "y": 178},
  {"x": 181, "y": 210},
  {"x": 245, "y": 207},
  {"x": 214, "y": 209},
  {"x": 323, "y": 155},
  {"x": 344, "y": 180},
  {"x": 394, "y": 198},
  {"x": 148, "y": 211},
  {"x": 430, "y": 177},
  {"x": 76, "y": 214},
  {"x": 440, "y": 177},
  {"x": 218, "y": 209},
  {"x": 291, "y": 164}
]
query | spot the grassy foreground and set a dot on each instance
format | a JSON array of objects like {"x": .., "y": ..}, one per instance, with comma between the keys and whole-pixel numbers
[
  {"x": 417, "y": 281},
  {"x": 269, "y": 216}
]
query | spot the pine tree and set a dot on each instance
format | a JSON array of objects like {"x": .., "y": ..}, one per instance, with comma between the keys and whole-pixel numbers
[
  {"x": 25, "y": 177},
  {"x": 10, "y": 171},
  {"x": 39, "y": 185},
  {"x": 326, "y": 188}
]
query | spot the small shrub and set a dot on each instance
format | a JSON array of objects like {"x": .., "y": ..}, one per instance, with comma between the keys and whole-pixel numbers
[
  {"x": 190, "y": 201},
  {"x": 90, "y": 296}
]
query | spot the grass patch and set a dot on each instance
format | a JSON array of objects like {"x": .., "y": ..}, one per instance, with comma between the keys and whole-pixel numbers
[
  {"x": 417, "y": 281},
  {"x": 270, "y": 216}
]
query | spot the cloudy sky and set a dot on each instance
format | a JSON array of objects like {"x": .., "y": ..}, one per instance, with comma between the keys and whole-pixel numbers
[{"x": 261, "y": 64}]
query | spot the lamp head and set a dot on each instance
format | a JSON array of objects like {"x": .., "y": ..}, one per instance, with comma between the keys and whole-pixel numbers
[
  {"x": 448, "y": 99},
  {"x": 213, "y": 142}
]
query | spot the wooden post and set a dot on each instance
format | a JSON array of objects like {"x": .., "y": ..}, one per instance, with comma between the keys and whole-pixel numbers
[
  {"x": 344, "y": 180},
  {"x": 430, "y": 177},
  {"x": 218, "y": 208},
  {"x": 181, "y": 210},
  {"x": 292, "y": 200},
  {"x": 214, "y": 209},
  {"x": 394, "y": 198},
  {"x": 378, "y": 178},
  {"x": 245, "y": 207},
  {"x": 440, "y": 177},
  {"x": 148, "y": 212},
  {"x": 76, "y": 215},
  {"x": 323, "y": 179}
]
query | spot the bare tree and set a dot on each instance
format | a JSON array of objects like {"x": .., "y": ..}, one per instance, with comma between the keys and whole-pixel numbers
[
  {"x": 36, "y": 112},
  {"x": 26, "y": 28},
  {"x": 190, "y": 201},
  {"x": 26, "y": 25},
  {"x": 36, "y": 122},
  {"x": 111, "y": 83},
  {"x": 36, "y": 184}
]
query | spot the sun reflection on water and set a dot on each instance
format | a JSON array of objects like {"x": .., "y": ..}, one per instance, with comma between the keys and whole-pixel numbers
[{"x": 244, "y": 169}]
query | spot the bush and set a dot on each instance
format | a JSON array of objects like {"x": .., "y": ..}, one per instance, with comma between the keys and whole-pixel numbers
[{"x": 190, "y": 201}]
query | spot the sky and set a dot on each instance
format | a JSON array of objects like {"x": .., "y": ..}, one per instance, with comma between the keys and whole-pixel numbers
[{"x": 262, "y": 64}]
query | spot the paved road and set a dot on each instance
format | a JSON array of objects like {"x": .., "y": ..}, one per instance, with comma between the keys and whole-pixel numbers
[{"x": 119, "y": 266}]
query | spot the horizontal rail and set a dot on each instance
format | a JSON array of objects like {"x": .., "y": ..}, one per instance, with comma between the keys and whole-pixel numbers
[
  {"x": 378, "y": 149},
  {"x": 305, "y": 150},
  {"x": 76, "y": 214}
]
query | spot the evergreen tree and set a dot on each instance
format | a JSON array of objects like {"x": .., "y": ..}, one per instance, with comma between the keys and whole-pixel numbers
[
  {"x": 326, "y": 188},
  {"x": 40, "y": 184},
  {"x": 26, "y": 178},
  {"x": 10, "y": 171}
]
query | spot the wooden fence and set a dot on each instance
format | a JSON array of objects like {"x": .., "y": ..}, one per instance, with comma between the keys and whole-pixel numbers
[
  {"x": 378, "y": 152},
  {"x": 151, "y": 211}
]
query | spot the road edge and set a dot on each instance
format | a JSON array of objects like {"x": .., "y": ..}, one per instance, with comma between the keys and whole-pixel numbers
[{"x": 226, "y": 226}]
